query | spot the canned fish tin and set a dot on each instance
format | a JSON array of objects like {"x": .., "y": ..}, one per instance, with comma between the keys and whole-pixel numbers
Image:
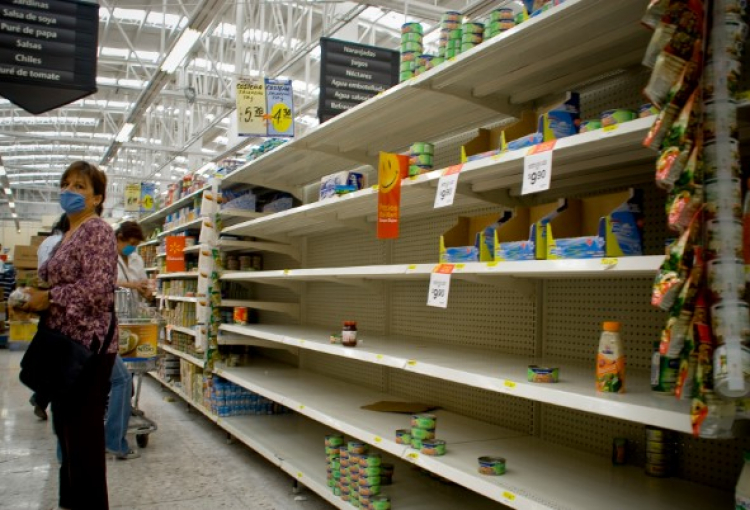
[
  {"x": 406, "y": 65},
  {"x": 450, "y": 16},
  {"x": 617, "y": 116},
  {"x": 381, "y": 503},
  {"x": 718, "y": 247},
  {"x": 369, "y": 480},
  {"x": 371, "y": 471},
  {"x": 647, "y": 110},
  {"x": 711, "y": 159},
  {"x": 714, "y": 201},
  {"x": 344, "y": 451},
  {"x": 336, "y": 491},
  {"x": 408, "y": 47},
  {"x": 411, "y": 28},
  {"x": 657, "y": 434},
  {"x": 422, "y": 148},
  {"x": 506, "y": 24},
  {"x": 333, "y": 451},
  {"x": 403, "y": 436},
  {"x": 590, "y": 125},
  {"x": 240, "y": 315},
  {"x": 335, "y": 465},
  {"x": 370, "y": 460},
  {"x": 502, "y": 14},
  {"x": 422, "y": 434},
  {"x": 335, "y": 440},
  {"x": 537, "y": 374},
  {"x": 387, "y": 469},
  {"x": 405, "y": 75},
  {"x": 726, "y": 324},
  {"x": 473, "y": 28},
  {"x": 356, "y": 447},
  {"x": 434, "y": 447},
  {"x": 409, "y": 56},
  {"x": 369, "y": 490},
  {"x": 411, "y": 37},
  {"x": 414, "y": 171},
  {"x": 659, "y": 447},
  {"x": 492, "y": 466},
  {"x": 455, "y": 34},
  {"x": 467, "y": 46},
  {"x": 472, "y": 38},
  {"x": 416, "y": 443},
  {"x": 424, "y": 421},
  {"x": 726, "y": 279}
]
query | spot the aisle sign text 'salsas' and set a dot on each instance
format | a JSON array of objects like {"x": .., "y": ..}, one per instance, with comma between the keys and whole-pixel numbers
[{"x": 47, "y": 52}]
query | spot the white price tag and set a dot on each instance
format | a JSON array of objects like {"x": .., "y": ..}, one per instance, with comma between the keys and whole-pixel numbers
[
  {"x": 440, "y": 285},
  {"x": 537, "y": 168},
  {"x": 446, "y": 189}
]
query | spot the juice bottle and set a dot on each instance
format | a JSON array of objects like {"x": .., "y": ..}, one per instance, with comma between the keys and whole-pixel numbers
[{"x": 610, "y": 360}]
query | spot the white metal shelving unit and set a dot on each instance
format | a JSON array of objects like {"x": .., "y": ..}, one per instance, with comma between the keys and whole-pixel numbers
[
  {"x": 178, "y": 276},
  {"x": 178, "y": 298},
  {"x": 165, "y": 211},
  {"x": 181, "y": 354},
  {"x": 547, "y": 477},
  {"x": 189, "y": 225},
  {"x": 183, "y": 330}
]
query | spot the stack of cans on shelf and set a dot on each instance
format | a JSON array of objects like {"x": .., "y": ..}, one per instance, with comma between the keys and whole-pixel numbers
[
  {"x": 411, "y": 48},
  {"x": 355, "y": 474},
  {"x": 500, "y": 20},
  {"x": 472, "y": 35},
  {"x": 420, "y": 158},
  {"x": 450, "y": 34},
  {"x": 422, "y": 429},
  {"x": 660, "y": 452}
]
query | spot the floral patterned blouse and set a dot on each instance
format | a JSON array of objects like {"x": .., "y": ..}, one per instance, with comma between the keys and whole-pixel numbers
[{"x": 82, "y": 274}]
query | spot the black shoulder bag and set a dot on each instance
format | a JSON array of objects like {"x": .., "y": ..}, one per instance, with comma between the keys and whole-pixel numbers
[{"x": 53, "y": 362}]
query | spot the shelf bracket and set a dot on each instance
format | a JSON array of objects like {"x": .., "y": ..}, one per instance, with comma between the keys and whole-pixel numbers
[
  {"x": 504, "y": 198},
  {"x": 523, "y": 286},
  {"x": 360, "y": 224},
  {"x": 256, "y": 342},
  {"x": 377, "y": 287},
  {"x": 500, "y": 104},
  {"x": 357, "y": 156}
]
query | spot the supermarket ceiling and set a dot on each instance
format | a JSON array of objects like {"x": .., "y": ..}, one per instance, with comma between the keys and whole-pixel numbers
[{"x": 145, "y": 123}]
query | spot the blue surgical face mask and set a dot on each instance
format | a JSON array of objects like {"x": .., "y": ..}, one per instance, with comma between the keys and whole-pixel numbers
[
  {"x": 72, "y": 202},
  {"x": 128, "y": 250}
]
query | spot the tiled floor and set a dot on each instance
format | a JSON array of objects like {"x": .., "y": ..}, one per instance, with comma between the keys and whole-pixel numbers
[{"x": 187, "y": 465}]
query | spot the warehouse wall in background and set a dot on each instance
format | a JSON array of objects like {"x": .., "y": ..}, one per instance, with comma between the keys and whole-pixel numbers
[{"x": 10, "y": 237}]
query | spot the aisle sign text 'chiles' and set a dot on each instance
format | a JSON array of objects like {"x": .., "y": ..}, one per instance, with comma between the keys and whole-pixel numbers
[{"x": 47, "y": 52}]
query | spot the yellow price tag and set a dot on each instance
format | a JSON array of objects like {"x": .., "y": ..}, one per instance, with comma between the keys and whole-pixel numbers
[
  {"x": 609, "y": 262},
  {"x": 509, "y": 496},
  {"x": 286, "y": 271},
  {"x": 492, "y": 264},
  {"x": 281, "y": 117},
  {"x": 509, "y": 384},
  {"x": 412, "y": 267},
  {"x": 414, "y": 456},
  {"x": 301, "y": 407},
  {"x": 379, "y": 357},
  {"x": 299, "y": 475},
  {"x": 609, "y": 129},
  {"x": 302, "y": 342},
  {"x": 411, "y": 362},
  {"x": 375, "y": 187},
  {"x": 378, "y": 439},
  {"x": 460, "y": 266}
]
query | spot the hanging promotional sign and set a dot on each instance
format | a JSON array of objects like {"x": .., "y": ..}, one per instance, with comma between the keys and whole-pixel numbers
[
  {"x": 175, "y": 254},
  {"x": 47, "y": 52},
  {"x": 148, "y": 197},
  {"x": 132, "y": 197},
  {"x": 391, "y": 169},
  {"x": 280, "y": 108},
  {"x": 251, "y": 107}
]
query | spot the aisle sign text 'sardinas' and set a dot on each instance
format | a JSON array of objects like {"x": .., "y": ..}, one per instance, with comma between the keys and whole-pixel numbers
[
  {"x": 352, "y": 73},
  {"x": 47, "y": 52}
]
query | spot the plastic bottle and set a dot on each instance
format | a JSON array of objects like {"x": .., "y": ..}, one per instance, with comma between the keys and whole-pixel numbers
[
  {"x": 610, "y": 360},
  {"x": 742, "y": 489}
]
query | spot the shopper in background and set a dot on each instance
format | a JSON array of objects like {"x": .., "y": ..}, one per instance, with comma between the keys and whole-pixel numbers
[
  {"x": 130, "y": 275},
  {"x": 82, "y": 274},
  {"x": 40, "y": 402}
]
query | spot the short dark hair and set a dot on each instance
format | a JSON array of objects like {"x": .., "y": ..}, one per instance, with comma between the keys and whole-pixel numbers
[
  {"x": 96, "y": 177},
  {"x": 130, "y": 230}
]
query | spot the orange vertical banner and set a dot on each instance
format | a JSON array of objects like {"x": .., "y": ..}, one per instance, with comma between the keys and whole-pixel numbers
[
  {"x": 175, "y": 254},
  {"x": 391, "y": 169}
]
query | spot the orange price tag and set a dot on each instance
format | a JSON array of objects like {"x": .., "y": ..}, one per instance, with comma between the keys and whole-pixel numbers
[
  {"x": 455, "y": 169},
  {"x": 444, "y": 268},
  {"x": 542, "y": 147}
]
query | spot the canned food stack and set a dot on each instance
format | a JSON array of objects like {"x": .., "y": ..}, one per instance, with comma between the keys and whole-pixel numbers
[
  {"x": 224, "y": 398},
  {"x": 472, "y": 35},
  {"x": 423, "y": 64},
  {"x": 449, "y": 23},
  {"x": 355, "y": 474},
  {"x": 420, "y": 158},
  {"x": 661, "y": 448},
  {"x": 411, "y": 48},
  {"x": 725, "y": 252},
  {"x": 422, "y": 435},
  {"x": 499, "y": 21}
]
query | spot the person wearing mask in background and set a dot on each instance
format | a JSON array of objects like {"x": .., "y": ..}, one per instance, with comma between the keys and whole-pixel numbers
[
  {"x": 131, "y": 275},
  {"x": 82, "y": 275},
  {"x": 40, "y": 402}
]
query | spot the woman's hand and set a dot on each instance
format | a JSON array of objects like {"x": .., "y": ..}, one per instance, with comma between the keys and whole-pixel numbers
[
  {"x": 144, "y": 288},
  {"x": 38, "y": 300}
]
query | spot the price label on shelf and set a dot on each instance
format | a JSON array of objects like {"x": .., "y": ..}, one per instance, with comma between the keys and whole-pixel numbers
[
  {"x": 412, "y": 362},
  {"x": 608, "y": 130},
  {"x": 299, "y": 475},
  {"x": 446, "y": 188},
  {"x": 537, "y": 168},
  {"x": 378, "y": 439},
  {"x": 509, "y": 384},
  {"x": 609, "y": 263},
  {"x": 440, "y": 285},
  {"x": 509, "y": 496},
  {"x": 413, "y": 456},
  {"x": 379, "y": 357}
]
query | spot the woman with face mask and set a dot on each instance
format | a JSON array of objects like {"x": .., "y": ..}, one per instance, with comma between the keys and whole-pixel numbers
[
  {"x": 82, "y": 274},
  {"x": 130, "y": 275}
]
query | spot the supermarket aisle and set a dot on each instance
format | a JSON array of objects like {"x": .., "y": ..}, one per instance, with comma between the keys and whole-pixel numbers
[{"x": 187, "y": 464}]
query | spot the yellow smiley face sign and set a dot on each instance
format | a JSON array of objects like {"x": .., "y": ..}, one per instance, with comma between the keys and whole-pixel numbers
[{"x": 389, "y": 172}]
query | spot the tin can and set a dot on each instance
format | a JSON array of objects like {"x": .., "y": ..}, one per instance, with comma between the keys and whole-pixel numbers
[
  {"x": 467, "y": 46},
  {"x": 405, "y": 75},
  {"x": 369, "y": 490},
  {"x": 711, "y": 160},
  {"x": 617, "y": 116},
  {"x": 371, "y": 471},
  {"x": 409, "y": 56},
  {"x": 434, "y": 447},
  {"x": 502, "y": 14},
  {"x": 714, "y": 200},
  {"x": 357, "y": 448},
  {"x": 412, "y": 27},
  {"x": 472, "y": 38},
  {"x": 422, "y": 434},
  {"x": 335, "y": 440},
  {"x": 454, "y": 16},
  {"x": 411, "y": 37},
  {"x": 473, "y": 28},
  {"x": 718, "y": 235},
  {"x": 381, "y": 503},
  {"x": 666, "y": 447},
  {"x": 240, "y": 315},
  {"x": 387, "y": 469},
  {"x": 403, "y": 436},
  {"x": 424, "y": 421},
  {"x": 726, "y": 279},
  {"x": 619, "y": 451},
  {"x": 369, "y": 480},
  {"x": 647, "y": 110},
  {"x": 725, "y": 324},
  {"x": 370, "y": 460},
  {"x": 416, "y": 443},
  {"x": 406, "y": 65},
  {"x": 333, "y": 452},
  {"x": 537, "y": 374},
  {"x": 492, "y": 466},
  {"x": 409, "y": 47}
]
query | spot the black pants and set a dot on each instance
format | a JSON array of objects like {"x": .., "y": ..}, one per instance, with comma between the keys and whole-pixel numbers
[{"x": 79, "y": 424}]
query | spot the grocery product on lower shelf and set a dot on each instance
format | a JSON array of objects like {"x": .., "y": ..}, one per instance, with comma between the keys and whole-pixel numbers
[
  {"x": 537, "y": 374},
  {"x": 224, "y": 398},
  {"x": 355, "y": 473},
  {"x": 491, "y": 466},
  {"x": 610, "y": 360}
]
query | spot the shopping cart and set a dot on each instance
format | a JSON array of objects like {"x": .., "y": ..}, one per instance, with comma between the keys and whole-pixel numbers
[{"x": 138, "y": 340}]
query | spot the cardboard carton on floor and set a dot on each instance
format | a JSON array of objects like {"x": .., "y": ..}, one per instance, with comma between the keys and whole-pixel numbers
[
  {"x": 522, "y": 234},
  {"x": 608, "y": 226},
  {"x": 24, "y": 257}
]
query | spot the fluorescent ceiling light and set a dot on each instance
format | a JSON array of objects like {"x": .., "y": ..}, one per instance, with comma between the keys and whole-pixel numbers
[
  {"x": 52, "y": 121},
  {"x": 2, "y": 170},
  {"x": 205, "y": 168},
  {"x": 15, "y": 216},
  {"x": 180, "y": 50},
  {"x": 124, "y": 134},
  {"x": 157, "y": 174}
]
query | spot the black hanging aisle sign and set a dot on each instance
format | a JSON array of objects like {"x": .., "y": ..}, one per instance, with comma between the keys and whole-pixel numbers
[
  {"x": 47, "y": 52},
  {"x": 352, "y": 73}
]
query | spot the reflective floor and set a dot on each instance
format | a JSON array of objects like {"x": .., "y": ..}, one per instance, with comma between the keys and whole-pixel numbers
[{"x": 187, "y": 464}]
